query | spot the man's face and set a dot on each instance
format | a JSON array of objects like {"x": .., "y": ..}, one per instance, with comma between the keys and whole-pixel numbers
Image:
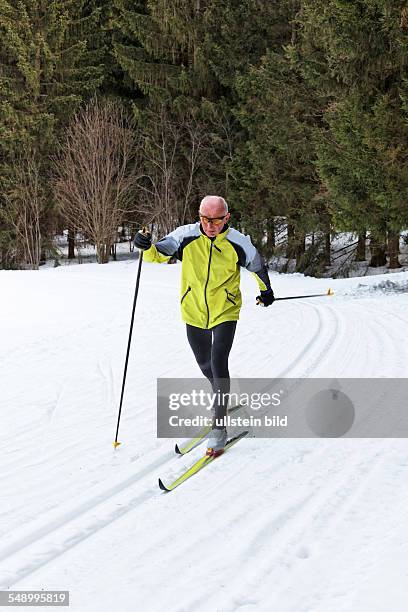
[{"x": 216, "y": 212}]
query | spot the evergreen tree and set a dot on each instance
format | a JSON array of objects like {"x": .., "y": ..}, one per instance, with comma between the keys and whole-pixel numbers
[
  {"x": 163, "y": 51},
  {"x": 47, "y": 67},
  {"x": 238, "y": 34},
  {"x": 278, "y": 111},
  {"x": 102, "y": 40},
  {"x": 274, "y": 161},
  {"x": 355, "y": 52}
]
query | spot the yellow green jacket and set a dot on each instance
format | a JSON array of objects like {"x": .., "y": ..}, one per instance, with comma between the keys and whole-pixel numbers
[{"x": 210, "y": 273}]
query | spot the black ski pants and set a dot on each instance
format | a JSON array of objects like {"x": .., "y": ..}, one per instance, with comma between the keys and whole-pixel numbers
[{"x": 211, "y": 348}]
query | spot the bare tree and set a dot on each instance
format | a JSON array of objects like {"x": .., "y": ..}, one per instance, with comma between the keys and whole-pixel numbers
[
  {"x": 24, "y": 203},
  {"x": 185, "y": 154},
  {"x": 158, "y": 187},
  {"x": 198, "y": 155},
  {"x": 174, "y": 153},
  {"x": 97, "y": 172}
]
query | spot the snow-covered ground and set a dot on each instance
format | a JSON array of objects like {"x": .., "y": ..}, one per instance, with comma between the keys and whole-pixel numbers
[{"x": 289, "y": 525}]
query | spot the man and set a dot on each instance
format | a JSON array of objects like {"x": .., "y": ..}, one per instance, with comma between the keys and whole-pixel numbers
[{"x": 212, "y": 254}]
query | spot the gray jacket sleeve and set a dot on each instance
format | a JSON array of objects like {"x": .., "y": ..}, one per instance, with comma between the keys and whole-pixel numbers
[{"x": 250, "y": 258}]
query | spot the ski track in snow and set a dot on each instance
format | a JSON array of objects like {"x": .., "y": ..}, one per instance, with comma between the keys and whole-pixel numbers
[{"x": 70, "y": 497}]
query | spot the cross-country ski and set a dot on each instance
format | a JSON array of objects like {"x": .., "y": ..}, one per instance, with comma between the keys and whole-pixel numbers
[{"x": 199, "y": 465}]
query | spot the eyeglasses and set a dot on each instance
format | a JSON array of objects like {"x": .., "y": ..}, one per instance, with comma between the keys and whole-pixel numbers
[{"x": 214, "y": 220}]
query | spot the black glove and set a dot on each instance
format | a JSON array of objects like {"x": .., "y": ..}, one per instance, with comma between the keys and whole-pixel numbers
[
  {"x": 266, "y": 298},
  {"x": 143, "y": 241}
]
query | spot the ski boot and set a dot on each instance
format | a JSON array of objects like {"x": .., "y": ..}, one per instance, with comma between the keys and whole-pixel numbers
[{"x": 216, "y": 442}]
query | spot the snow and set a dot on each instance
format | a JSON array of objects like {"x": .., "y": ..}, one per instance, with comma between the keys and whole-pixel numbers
[{"x": 292, "y": 525}]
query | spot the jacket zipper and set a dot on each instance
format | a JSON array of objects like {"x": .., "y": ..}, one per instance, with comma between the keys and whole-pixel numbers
[
  {"x": 184, "y": 295},
  {"x": 206, "y": 283}
]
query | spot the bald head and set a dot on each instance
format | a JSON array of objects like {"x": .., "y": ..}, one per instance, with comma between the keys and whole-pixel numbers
[{"x": 213, "y": 206}]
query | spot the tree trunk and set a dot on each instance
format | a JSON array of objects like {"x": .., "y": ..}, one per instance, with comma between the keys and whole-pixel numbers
[
  {"x": 291, "y": 247},
  {"x": 300, "y": 247},
  {"x": 393, "y": 250},
  {"x": 378, "y": 252},
  {"x": 327, "y": 249},
  {"x": 71, "y": 244},
  {"x": 270, "y": 236},
  {"x": 102, "y": 252},
  {"x": 361, "y": 246}
]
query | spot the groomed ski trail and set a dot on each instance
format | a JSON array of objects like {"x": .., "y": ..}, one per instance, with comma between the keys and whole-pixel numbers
[{"x": 298, "y": 493}]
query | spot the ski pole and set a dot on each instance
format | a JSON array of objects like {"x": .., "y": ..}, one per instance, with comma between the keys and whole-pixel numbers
[
  {"x": 299, "y": 297},
  {"x": 116, "y": 443}
]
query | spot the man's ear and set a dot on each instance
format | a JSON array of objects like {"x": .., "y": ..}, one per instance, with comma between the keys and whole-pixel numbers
[{"x": 228, "y": 217}]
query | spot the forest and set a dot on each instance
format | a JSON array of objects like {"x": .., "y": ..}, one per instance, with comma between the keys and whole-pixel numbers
[{"x": 123, "y": 113}]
